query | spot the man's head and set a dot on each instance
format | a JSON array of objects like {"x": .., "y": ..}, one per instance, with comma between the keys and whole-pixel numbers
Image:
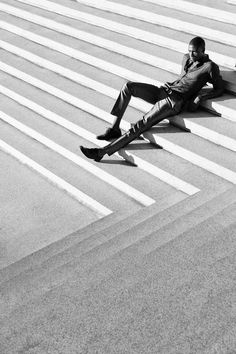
[{"x": 196, "y": 48}]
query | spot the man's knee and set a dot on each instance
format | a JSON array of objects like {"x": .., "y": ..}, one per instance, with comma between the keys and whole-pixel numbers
[{"x": 128, "y": 87}]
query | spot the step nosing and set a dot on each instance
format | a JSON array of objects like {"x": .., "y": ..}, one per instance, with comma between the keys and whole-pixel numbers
[
  {"x": 146, "y": 36},
  {"x": 197, "y": 9},
  {"x": 192, "y": 157},
  {"x": 183, "y": 228},
  {"x": 102, "y": 225},
  {"x": 54, "y": 179},
  {"x": 151, "y": 169},
  {"x": 108, "y": 178},
  {"x": 214, "y": 106},
  {"x": 142, "y": 15}
]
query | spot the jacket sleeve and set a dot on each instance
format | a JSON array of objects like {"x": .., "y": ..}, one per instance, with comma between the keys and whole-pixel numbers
[{"x": 216, "y": 80}]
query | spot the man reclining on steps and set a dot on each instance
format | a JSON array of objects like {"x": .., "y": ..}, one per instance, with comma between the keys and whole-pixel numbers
[{"x": 169, "y": 99}]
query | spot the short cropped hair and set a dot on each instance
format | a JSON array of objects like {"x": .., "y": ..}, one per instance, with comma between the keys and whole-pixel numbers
[{"x": 198, "y": 42}]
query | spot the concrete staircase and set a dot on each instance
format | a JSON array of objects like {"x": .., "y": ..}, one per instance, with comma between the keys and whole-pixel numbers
[{"x": 135, "y": 254}]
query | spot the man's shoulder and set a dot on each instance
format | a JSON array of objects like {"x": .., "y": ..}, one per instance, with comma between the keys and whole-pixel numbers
[
  {"x": 209, "y": 61},
  {"x": 210, "y": 64}
]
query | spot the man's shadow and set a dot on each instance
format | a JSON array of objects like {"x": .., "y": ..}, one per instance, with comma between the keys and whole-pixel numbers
[
  {"x": 142, "y": 144},
  {"x": 136, "y": 145},
  {"x": 229, "y": 77},
  {"x": 209, "y": 111}
]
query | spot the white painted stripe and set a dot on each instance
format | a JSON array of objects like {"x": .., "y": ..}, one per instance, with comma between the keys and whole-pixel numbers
[
  {"x": 170, "y": 22},
  {"x": 147, "y": 167},
  {"x": 98, "y": 41},
  {"x": 196, "y": 9},
  {"x": 233, "y": 2},
  {"x": 57, "y": 181},
  {"x": 102, "y": 64},
  {"x": 113, "y": 26},
  {"x": 97, "y": 112},
  {"x": 69, "y": 74},
  {"x": 195, "y": 159},
  {"x": 215, "y": 106},
  {"x": 99, "y": 173},
  {"x": 108, "y": 91},
  {"x": 74, "y": 101},
  {"x": 205, "y": 133},
  {"x": 185, "y": 154},
  {"x": 161, "y": 174}
]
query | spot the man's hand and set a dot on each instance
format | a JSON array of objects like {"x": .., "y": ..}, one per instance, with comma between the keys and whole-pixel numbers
[{"x": 193, "y": 105}]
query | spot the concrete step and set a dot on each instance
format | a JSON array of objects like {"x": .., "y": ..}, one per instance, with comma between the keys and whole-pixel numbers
[
  {"x": 175, "y": 20},
  {"x": 218, "y": 5},
  {"x": 174, "y": 289},
  {"x": 64, "y": 96},
  {"x": 83, "y": 92},
  {"x": 88, "y": 275},
  {"x": 72, "y": 144},
  {"x": 114, "y": 223},
  {"x": 214, "y": 153},
  {"x": 160, "y": 158},
  {"x": 182, "y": 165},
  {"x": 30, "y": 284},
  {"x": 203, "y": 129},
  {"x": 223, "y": 107},
  {"x": 141, "y": 29},
  {"x": 155, "y": 15},
  {"x": 78, "y": 130},
  {"x": 49, "y": 212},
  {"x": 85, "y": 172},
  {"x": 173, "y": 64},
  {"x": 156, "y": 157},
  {"x": 210, "y": 12},
  {"x": 136, "y": 49}
]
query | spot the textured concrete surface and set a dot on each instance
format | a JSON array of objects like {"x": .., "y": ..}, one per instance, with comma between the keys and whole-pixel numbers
[
  {"x": 33, "y": 213},
  {"x": 179, "y": 298},
  {"x": 149, "y": 281}
]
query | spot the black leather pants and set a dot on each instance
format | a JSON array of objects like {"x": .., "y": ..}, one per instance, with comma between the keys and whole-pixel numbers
[{"x": 164, "y": 106}]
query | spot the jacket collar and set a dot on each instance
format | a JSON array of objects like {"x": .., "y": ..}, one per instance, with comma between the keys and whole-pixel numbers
[{"x": 190, "y": 64}]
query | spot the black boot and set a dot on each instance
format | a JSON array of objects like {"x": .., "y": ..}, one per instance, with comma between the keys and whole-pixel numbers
[
  {"x": 110, "y": 134},
  {"x": 94, "y": 154}
]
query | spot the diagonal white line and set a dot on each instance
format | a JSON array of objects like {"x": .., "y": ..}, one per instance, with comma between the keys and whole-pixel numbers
[
  {"x": 170, "y": 22},
  {"x": 110, "y": 25},
  {"x": 108, "y": 91},
  {"x": 97, "y": 112},
  {"x": 108, "y": 178},
  {"x": 59, "y": 182},
  {"x": 212, "y": 105},
  {"x": 196, "y": 9},
  {"x": 101, "y": 42},
  {"x": 147, "y": 167}
]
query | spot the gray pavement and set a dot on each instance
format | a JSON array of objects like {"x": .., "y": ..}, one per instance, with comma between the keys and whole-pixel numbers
[{"x": 144, "y": 279}]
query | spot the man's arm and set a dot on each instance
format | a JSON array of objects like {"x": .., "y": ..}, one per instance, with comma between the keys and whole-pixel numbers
[
  {"x": 216, "y": 81},
  {"x": 218, "y": 88}
]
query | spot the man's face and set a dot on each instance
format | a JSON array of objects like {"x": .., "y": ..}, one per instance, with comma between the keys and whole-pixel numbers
[{"x": 195, "y": 53}]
